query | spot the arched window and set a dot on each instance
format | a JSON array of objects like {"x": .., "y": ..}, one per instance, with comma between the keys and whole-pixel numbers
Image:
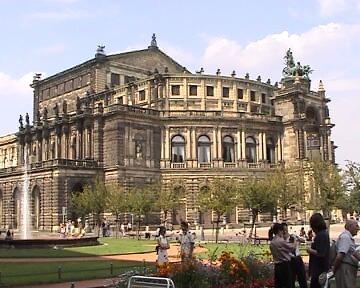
[
  {"x": 36, "y": 207},
  {"x": 73, "y": 148},
  {"x": 270, "y": 150},
  {"x": 203, "y": 149},
  {"x": 250, "y": 150},
  {"x": 17, "y": 207},
  {"x": 177, "y": 149},
  {"x": 228, "y": 149}
]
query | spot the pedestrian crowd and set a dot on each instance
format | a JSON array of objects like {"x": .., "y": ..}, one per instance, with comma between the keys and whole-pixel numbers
[{"x": 339, "y": 260}]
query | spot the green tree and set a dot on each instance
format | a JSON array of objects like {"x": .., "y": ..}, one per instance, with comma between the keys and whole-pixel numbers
[
  {"x": 141, "y": 201},
  {"x": 168, "y": 199},
  {"x": 92, "y": 200},
  {"x": 219, "y": 197},
  {"x": 255, "y": 194},
  {"x": 116, "y": 201},
  {"x": 287, "y": 186},
  {"x": 352, "y": 184},
  {"x": 326, "y": 189}
]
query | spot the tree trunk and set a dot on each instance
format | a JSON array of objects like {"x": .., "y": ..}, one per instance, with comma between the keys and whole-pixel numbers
[
  {"x": 217, "y": 228},
  {"x": 254, "y": 216}
]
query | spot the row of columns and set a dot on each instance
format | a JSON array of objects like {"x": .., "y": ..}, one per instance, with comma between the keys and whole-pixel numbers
[
  {"x": 68, "y": 146},
  {"x": 216, "y": 147}
]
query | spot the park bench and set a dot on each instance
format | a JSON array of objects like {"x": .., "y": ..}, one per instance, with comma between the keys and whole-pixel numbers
[
  {"x": 259, "y": 240},
  {"x": 150, "y": 282}
]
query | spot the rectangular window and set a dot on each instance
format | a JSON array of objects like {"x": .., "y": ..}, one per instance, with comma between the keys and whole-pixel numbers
[
  {"x": 252, "y": 96},
  {"x": 175, "y": 90},
  {"x": 85, "y": 80},
  {"x": 69, "y": 86},
  {"x": 272, "y": 102},
  {"x": 61, "y": 88},
  {"x": 254, "y": 109},
  {"x": 240, "y": 94},
  {"x": 193, "y": 90},
  {"x": 209, "y": 91},
  {"x": 225, "y": 92},
  {"x": 53, "y": 91},
  {"x": 120, "y": 100},
  {"x": 263, "y": 98},
  {"x": 141, "y": 95},
  {"x": 77, "y": 82},
  {"x": 115, "y": 79}
]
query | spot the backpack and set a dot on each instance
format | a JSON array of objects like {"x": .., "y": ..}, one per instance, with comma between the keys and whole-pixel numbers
[{"x": 332, "y": 253}]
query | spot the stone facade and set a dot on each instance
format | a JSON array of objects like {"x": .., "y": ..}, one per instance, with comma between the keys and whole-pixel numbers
[{"x": 139, "y": 116}]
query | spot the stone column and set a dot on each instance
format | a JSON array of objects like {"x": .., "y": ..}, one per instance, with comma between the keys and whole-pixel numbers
[
  {"x": 238, "y": 146},
  {"x": 215, "y": 153},
  {"x": 188, "y": 154},
  {"x": 278, "y": 146},
  {"x": 193, "y": 146},
  {"x": 219, "y": 144},
  {"x": 167, "y": 147},
  {"x": 243, "y": 145},
  {"x": 260, "y": 148},
  {"x": 264, "y": 146},
  {"x": 300, "y": 134}
]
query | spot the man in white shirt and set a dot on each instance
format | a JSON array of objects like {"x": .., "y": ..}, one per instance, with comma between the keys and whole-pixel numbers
[
  {"x": 347, "y": 258},
  {"x": 186, "y": 242}
]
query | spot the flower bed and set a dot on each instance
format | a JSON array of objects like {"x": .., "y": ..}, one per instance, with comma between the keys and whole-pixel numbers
[{"x": 226, "y": 272}]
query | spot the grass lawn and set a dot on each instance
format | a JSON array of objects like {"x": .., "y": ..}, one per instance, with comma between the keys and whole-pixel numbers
[
  {"x": 109, "y": 245},
  {"x": 214, "y": 250},
  {"x": 35, "y": 273}
]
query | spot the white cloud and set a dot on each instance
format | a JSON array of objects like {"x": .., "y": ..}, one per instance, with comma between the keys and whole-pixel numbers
[
  {"x": 16, "y": 94},
  {"x": 333, "y": 7},
  {"x": 330, "y": 49}
]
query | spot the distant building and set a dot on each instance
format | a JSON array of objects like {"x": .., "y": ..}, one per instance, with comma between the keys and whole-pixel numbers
[{"x": 139, "y": 116}]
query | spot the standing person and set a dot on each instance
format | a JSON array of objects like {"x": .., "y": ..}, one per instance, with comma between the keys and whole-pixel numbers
[
  {"x": 129, "y": 227},
  {"x": 162, "y": 246},
  {"x": 186, "y": 242},
  {"x": 302, "y": 233},
  {"x": 319, "y": 250},
  {"x": 346, "y": 261},
  {"x": 122, "y": 229},
  {"x": 280, "y": 250},
  {"x": 296, "y": 262}
]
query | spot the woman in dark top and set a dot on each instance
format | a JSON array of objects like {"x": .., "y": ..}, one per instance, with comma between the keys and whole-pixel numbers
[{"x": 319, "y": 250}]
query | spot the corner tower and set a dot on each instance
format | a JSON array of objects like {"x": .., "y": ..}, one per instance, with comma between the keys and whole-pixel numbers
[{"x": 306, "y": 121}]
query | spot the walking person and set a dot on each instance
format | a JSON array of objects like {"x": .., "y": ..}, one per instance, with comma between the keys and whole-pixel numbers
[
  {"x": 347, "y": 258},
  {"x": 186, "y": 242},
  {"x": 296, "y": 262},
  {"x": 319, "y": 250},
  {"x": 162, "y": 247},
  {"x": 280, "y": 250}
]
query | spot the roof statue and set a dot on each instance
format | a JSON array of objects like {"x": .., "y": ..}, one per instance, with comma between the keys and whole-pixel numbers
[
  {"x": 37, "y": 77},
  {"x": 21, "y": 122},
  {"x": 293, "y": 69},
  {"x": 27, "y": 119},
  {"x": 56, "y": 110},
  {"x": 153, "y": 41},
  {"x": 45, "y": 113},
  {"x": 100, "y": 50}
]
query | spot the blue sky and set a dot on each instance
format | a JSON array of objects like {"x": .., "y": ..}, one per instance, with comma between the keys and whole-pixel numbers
[{"x": 49, "y": 36}]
